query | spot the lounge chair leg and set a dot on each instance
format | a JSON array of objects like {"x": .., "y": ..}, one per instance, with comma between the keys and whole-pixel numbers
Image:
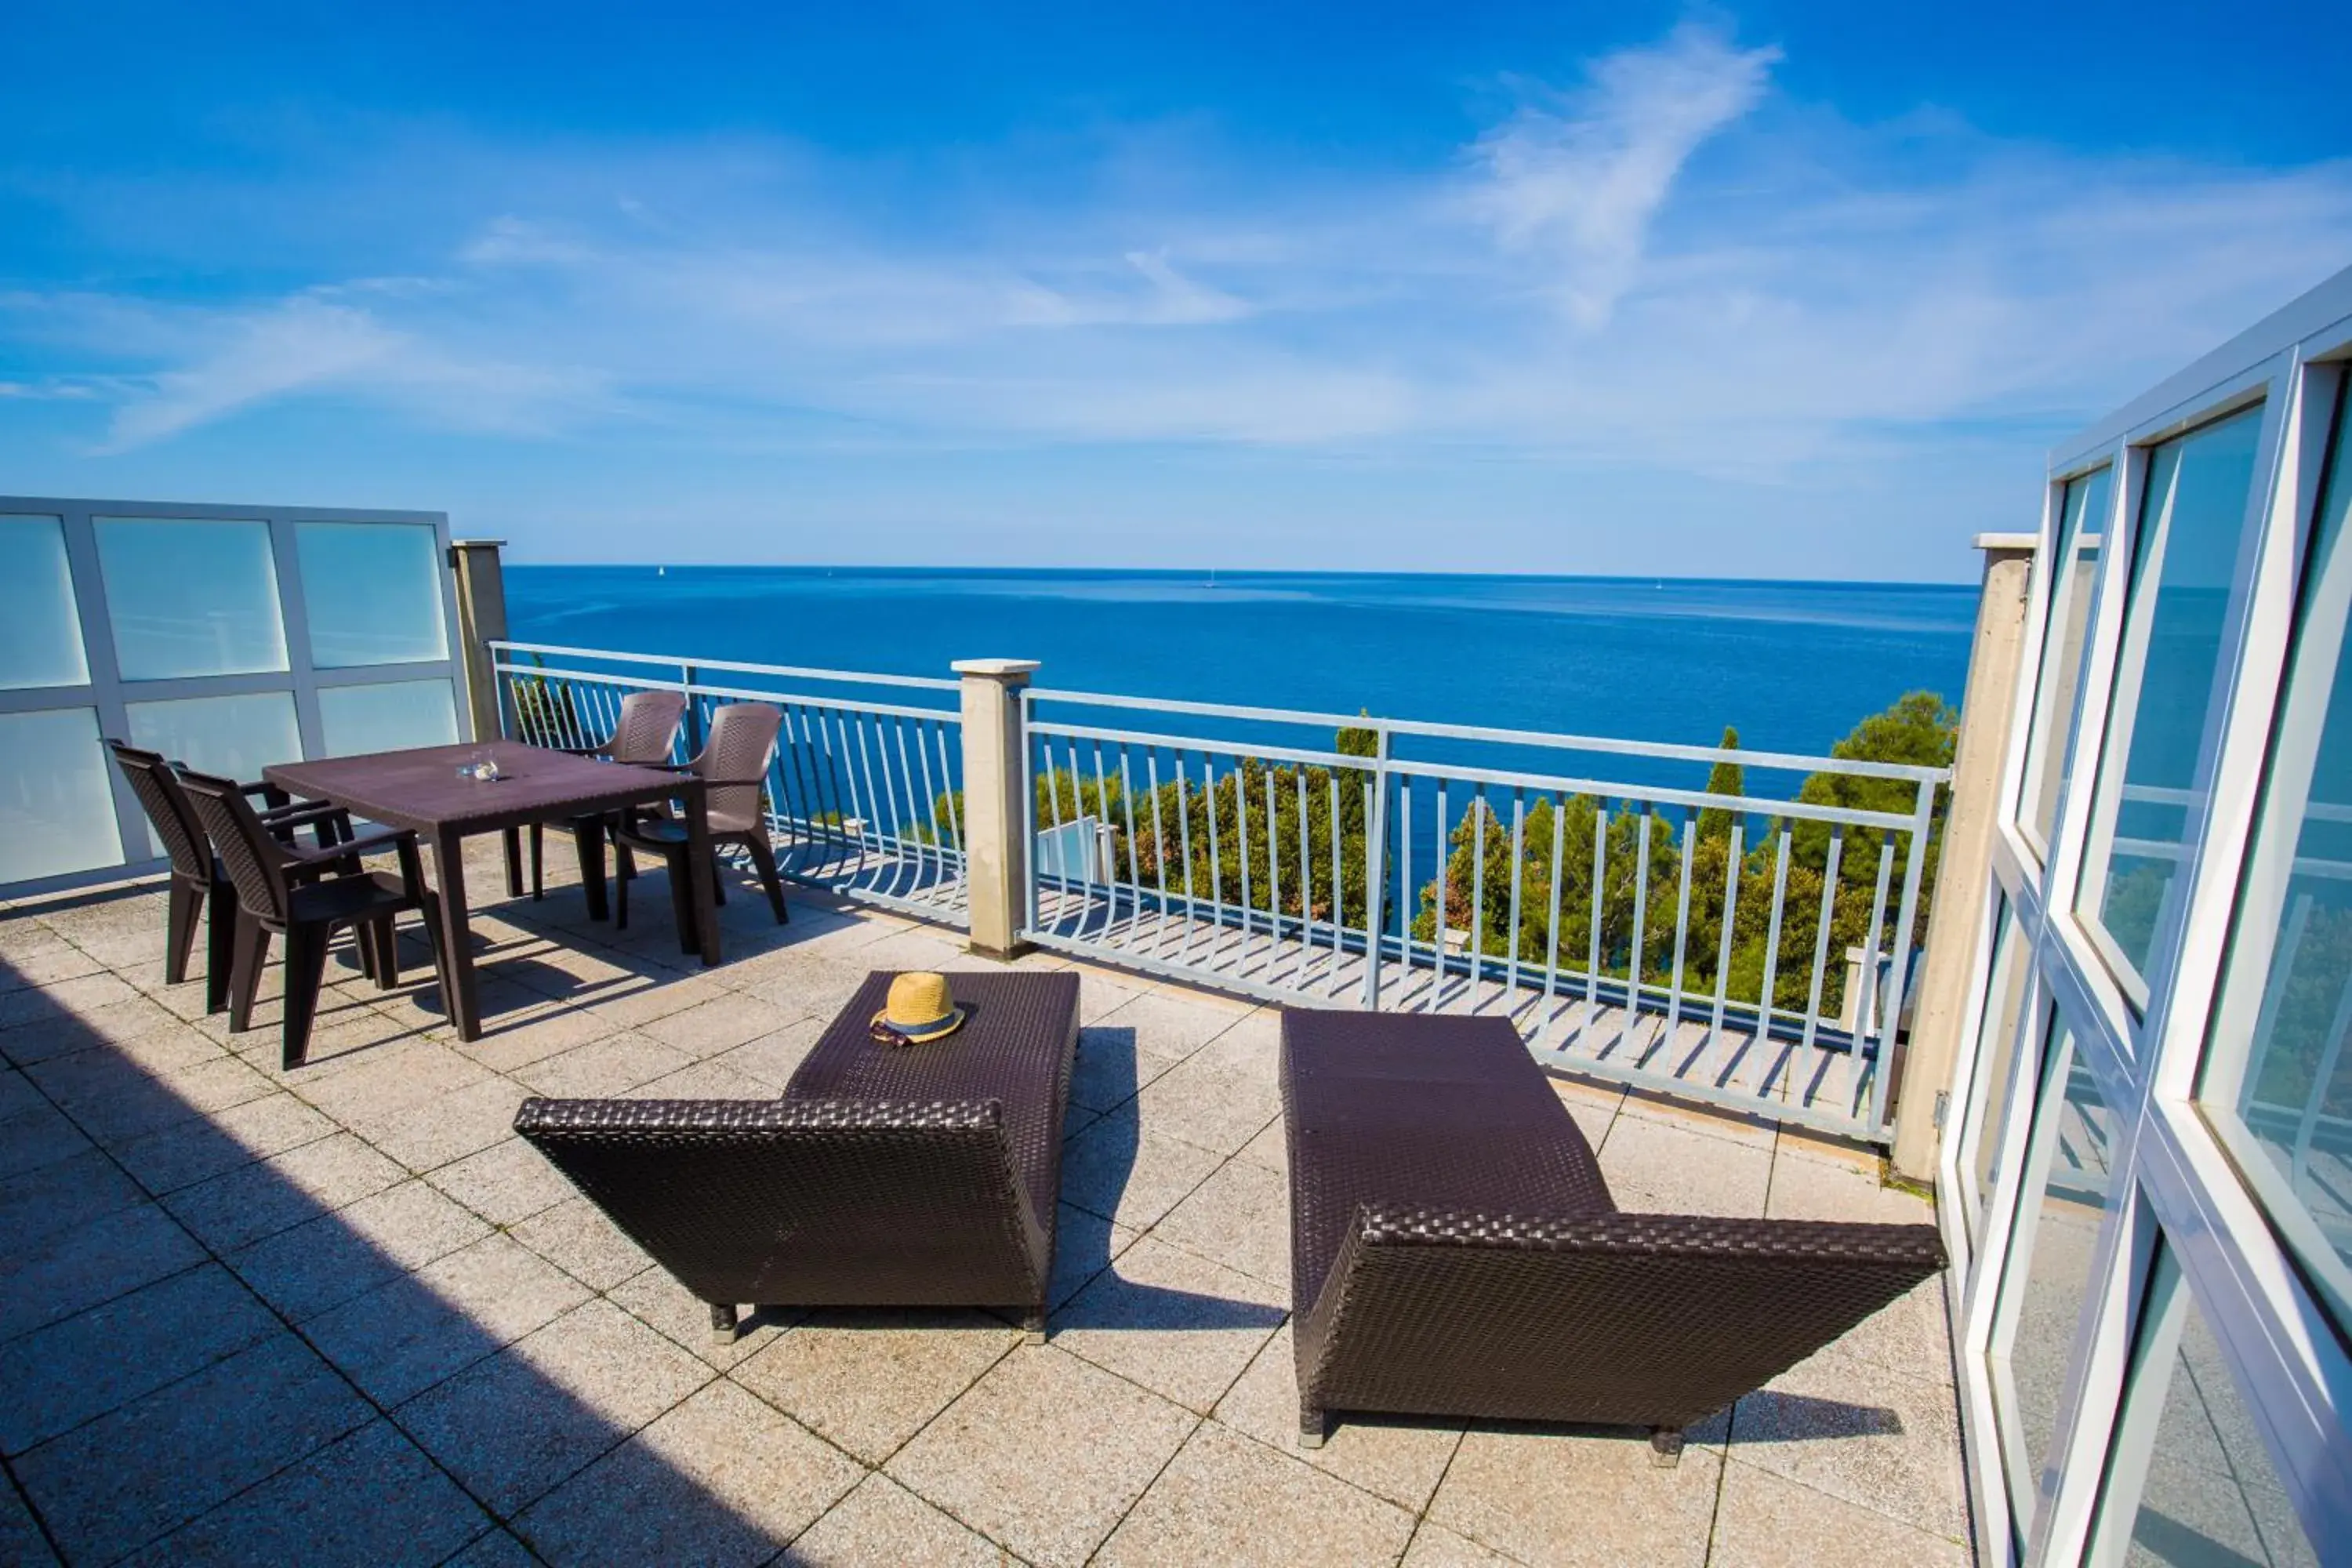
[
  {"x": 1665, "y": 1446},
  {"x": 1032, "y": 1326},
  {"x": 184, "y": 901},
  {"x": 722, "y": 1324},
  {"x": 1312, "y": 1427}
]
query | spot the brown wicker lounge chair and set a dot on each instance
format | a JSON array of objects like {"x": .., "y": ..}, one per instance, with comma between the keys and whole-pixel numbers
[
  {"x": 644, "y": 733},
  {"x": 733, "y": 766},
  {"x": 886, "y": 1175},
  {"x": 306, "y": 896},
  {"x": 1455, "y": 1251},
  {"x": 197, "y": 877}
]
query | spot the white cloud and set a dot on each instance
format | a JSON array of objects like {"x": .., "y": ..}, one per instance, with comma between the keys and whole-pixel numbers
[
  {"x": 1577, "y": 178},
  {"x": 1578, "y": 286}
]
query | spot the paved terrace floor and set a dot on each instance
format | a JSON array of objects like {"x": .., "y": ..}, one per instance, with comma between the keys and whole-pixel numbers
[{"x": 342, "y": 1315}]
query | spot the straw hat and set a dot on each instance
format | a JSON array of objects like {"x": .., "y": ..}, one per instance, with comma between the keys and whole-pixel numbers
[{"x": 920, "y": 1008}]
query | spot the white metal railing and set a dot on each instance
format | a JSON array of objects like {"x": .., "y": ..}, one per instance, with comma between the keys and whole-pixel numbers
[
  {"x": 863, "y": 793},
  {"x": 1634, "y": 923}
]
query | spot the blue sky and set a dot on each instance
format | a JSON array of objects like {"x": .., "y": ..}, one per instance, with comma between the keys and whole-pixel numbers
[{"x": 1765, "y": 290}]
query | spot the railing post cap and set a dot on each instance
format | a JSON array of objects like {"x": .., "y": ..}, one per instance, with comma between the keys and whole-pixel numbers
[
  {"x": 477, "y": 543},
  {"x": 2009, "y": 544},
  {"x": 1014, "y": 669}
]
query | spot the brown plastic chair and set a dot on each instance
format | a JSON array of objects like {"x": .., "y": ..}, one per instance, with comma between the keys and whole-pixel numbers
[
  {"x": 644, "y": 733},
  {"x": 197, "y": 877},
  {"x": 734, "y": 768},
  {"x": 280, "y": 891}
]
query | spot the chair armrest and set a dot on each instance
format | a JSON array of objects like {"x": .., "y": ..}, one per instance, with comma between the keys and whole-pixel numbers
[
  {"x": 271, "y": 796},
  {"x": 373, "y": 844},
  {"x": 1658, "y": 1235}
]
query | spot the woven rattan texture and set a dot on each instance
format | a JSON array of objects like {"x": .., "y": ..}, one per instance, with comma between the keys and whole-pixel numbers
[
  {"x": 1543, "y": 1303},
  {"x": 742, "y": 737},
  {"x": 646, "y": 730},
  {"x": 808, "y": 1202},
  {"x": 1016, "y": 1047}
]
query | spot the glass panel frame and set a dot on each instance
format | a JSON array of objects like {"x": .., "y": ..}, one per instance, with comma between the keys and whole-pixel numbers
[
  {"x": 2069, "y": 1110},
  {"x": 41, "y": 645},
  {"x": 2009, "y": 1062},
  {"x": 386, "y": 716},
  {"x": 399, "y": 566},
  {"x": 2288, "y": 975},
  {"x": 2158, "y": 578},
  {"x": 2087, "y": 508},
  {"x": 235, "y": 735},
  {"x": 154, "y": 566},
  {"x": 2202, "y": 1457},
  {"x": 56, "y": 752}
]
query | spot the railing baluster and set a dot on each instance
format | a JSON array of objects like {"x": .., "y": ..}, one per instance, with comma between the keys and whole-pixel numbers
[
  {"x": 1134, "y": 877},
  {"x": 1511, "y": 938},
  {"x": 1633, "y": 1013},
  {"x": 1306, "y": 881},
  {"x": 1863, "y": 1009},
  {"x": 1478, "y": 814},
  {"x": 1723, "y": 943},
  {"x": 1241, "y": 847},
  {"x": 1061, "y": 840},
  {"x": 1272, "y": 877},
  {"x": 1159, "y": 853},
  {"x": 1445, "y": 896},
  {"x": 1376, "y": 889},
  {"x": 1822, "y": 933},
  {"x": 1682, "y": 927},
  {"x": 1764, "y": 1004},
  {"x": 1406, "y": 911},
  {"x": 1600, "y": 908},
  {"x": 1339, "y": 881},
  {"x": 1185, "y": 847},
  {"x": 1111, "y": 870},
  {"x": 1552, "y": 939}
]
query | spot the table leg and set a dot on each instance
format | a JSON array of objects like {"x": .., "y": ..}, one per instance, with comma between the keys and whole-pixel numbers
[
  {"x": 456, "y": 943},
  {"x": 588, "y": 833},
  {"x": 513, "y": 838},
  {"x": 699, "y": 877}
]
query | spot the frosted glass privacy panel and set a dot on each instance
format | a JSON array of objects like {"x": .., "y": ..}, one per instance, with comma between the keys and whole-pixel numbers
[
  {"x": 235, "y": 737},
  {"x": 373, "y": 592},
  {"x": 41, "y": 630},
  {"x": 190, "y": 597},
  {"x": 2184, "y": 555},
  {"x": 392, "y": 717},
  {"x": 57, "y": 806}
]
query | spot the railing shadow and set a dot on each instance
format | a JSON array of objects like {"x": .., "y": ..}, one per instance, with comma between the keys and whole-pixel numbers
[{"x": 279, "y": 1344}]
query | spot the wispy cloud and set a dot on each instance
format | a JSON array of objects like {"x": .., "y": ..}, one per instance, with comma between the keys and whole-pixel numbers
[
  {"x": 1577, "y": 177},
  {"x": 1660, "y": 262}
]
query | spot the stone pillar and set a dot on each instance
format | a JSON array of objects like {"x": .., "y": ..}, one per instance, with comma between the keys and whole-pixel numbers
[
  {"x": 482, "y": 618},
  {"x": 995, "y": 827},
  {"x": 1955, "y": 917}
]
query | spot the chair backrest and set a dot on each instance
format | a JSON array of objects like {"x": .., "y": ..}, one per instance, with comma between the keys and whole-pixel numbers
[
  {"x": 647, "y": 728},
  {"x": 742, "y": 738},
  {"x": 166, "y": 805},
  {"x": 255, "y": 860},
  {"x": 1614, "y": 1317},
  {"x": 810, "y": 1202}
]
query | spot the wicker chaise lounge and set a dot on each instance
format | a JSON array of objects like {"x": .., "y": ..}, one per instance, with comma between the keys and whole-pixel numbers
[
  {"x": 1455, "y": 1251},
  {"x": 886, "y": 1175}
]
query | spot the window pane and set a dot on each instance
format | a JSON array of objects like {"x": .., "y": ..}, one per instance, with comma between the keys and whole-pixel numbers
[
  {"x": 234, "y": 736},
  {"x": 2081, "y": 531},
  {"x": 2049, "y": 1276},
  {"x": 191, "y": 598},
  {"x": 2278, "y": 1077},
  {"x": 373, "y": 592},
  {"x": 57, "y": 806},
  {"x": 1998, "y": 1064},
  {"x": 2212, "y": 1497},
  {"x": 41, "y": 630},
  {"x": 393, "y": 717},
  {"x": 2184, "y": 554}
]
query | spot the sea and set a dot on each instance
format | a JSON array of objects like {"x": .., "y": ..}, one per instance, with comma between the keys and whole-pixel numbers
[{"x": 1791, "y": 665}]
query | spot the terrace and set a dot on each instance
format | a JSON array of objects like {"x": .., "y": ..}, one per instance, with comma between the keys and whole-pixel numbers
[{"x": 343, "y": 1311}]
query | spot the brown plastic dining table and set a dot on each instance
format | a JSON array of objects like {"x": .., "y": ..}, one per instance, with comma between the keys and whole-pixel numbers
[{"x": 422, "y": 790}]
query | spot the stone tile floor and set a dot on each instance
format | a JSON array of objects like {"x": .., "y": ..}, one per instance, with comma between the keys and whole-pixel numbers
[{"x": 341, "y": 1314}]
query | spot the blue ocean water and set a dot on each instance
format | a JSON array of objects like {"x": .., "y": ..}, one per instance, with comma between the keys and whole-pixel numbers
[{"x": 1791, "y": 664}]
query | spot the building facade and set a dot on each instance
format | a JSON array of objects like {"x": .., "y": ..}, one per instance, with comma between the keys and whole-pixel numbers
[{"x": 2146, "y": 1177}]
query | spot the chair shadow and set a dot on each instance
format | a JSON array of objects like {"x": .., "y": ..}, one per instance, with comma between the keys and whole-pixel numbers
[{"x": 202, "y": 1360}]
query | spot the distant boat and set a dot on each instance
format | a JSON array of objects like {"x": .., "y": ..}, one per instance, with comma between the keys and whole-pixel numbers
[{"x": 661, "y": 571}]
